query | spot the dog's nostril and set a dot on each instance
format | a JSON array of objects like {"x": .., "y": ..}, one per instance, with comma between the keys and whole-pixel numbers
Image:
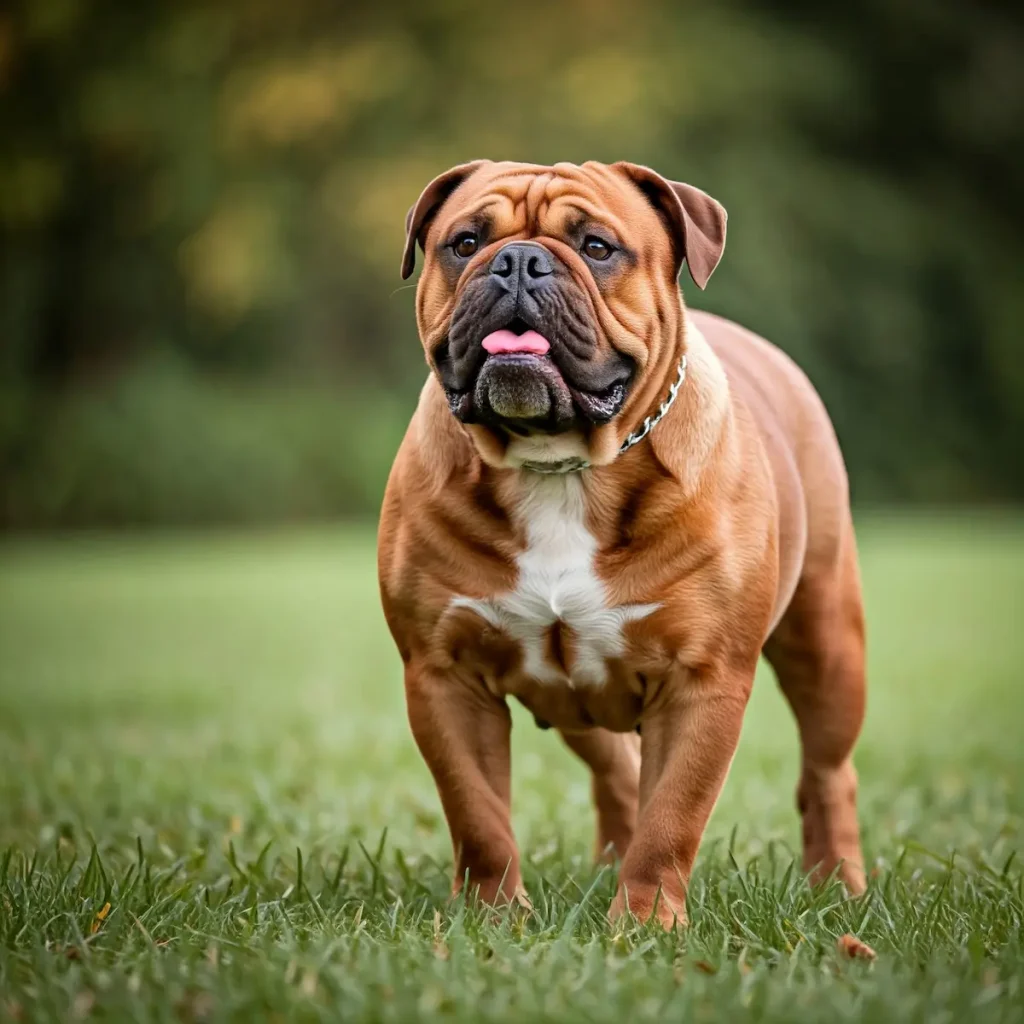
[
  {"x": 503, "y": 265},
  {"x": 538, "y": 266}
]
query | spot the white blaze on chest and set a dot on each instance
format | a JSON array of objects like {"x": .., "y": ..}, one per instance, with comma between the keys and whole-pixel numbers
[{"x": 558, "y": 582}]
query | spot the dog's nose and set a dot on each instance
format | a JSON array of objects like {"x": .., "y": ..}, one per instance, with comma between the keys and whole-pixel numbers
[{"x": 522, "y": 262}]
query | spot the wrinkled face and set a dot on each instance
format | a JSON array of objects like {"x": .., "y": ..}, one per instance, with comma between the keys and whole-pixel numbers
[{"x": 548, "y": 293}]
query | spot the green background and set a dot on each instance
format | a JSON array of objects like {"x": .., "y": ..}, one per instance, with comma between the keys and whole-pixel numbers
[{"x": 201, "y": 209}]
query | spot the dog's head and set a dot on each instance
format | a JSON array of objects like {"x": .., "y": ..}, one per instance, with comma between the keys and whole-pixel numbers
[{"x": 549, "y": 303}]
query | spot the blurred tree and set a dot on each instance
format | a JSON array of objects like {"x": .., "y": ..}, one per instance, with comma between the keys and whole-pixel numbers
[{"x": 201, "y": 209}]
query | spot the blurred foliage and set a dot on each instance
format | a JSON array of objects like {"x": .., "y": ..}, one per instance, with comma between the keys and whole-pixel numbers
[{"x": 201, "y": 209}]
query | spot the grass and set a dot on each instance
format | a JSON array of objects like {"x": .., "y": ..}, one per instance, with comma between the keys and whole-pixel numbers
[{"x": 211, "y": 808}]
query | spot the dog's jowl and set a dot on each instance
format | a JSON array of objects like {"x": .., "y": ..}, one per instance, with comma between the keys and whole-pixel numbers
[{"x": 607, "y": 506}]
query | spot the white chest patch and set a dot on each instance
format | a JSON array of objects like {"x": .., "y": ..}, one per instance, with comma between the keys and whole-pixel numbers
[{"x": 557, "y": 582}]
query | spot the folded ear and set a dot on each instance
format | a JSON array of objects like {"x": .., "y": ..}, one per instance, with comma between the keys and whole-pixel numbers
[
  {"x": 425, "y": 209},
  {"x": 695, "y": 220}
]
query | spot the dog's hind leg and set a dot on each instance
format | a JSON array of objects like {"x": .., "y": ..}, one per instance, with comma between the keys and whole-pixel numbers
[
  {"x": 614, "y": 762},
  {"x": 817, "y": 652}
]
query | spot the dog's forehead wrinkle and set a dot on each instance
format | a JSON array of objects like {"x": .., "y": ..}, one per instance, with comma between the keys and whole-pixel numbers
[
  {"x": 541, "y": 187},
  {"x": 477, "y": 215},
  {"x": 536, "y": 196},
  {"x": 548, "y": 201},
  {"x": 575, "y": 209}
]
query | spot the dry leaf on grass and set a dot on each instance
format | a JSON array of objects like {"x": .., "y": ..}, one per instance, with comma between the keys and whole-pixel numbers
[
  {"x": 101, "y": 916},
  {"x": 853, "y": 948}
]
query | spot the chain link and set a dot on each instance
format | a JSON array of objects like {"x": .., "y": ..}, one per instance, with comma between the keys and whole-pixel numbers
[
  {"x": 575, "y": 464},
  {"x": 652, "y": 421}
]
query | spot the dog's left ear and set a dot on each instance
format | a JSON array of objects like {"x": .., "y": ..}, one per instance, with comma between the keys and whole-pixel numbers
[
  {"x": 695, "y": 220},
  {"x": 423, "y": 211}
]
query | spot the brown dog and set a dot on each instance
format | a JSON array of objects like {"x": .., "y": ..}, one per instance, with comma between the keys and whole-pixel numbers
[{"x": 607, "y": 507}]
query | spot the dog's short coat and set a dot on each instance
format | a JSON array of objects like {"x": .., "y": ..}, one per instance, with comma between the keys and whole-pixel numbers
[{"x": 630, "y": 590}]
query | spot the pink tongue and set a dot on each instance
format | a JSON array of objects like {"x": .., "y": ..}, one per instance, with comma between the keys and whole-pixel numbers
[{"x": 506, "y": 341}]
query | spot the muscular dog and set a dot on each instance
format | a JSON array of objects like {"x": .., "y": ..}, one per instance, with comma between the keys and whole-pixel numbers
[{"x": 607, "y": 507}]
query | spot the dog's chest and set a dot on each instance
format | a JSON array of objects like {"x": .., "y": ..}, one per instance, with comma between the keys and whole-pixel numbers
[{"x": 559, "y": 610}]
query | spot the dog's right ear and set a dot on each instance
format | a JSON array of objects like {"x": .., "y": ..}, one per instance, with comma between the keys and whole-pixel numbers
[{"x": 425, "y": 209}]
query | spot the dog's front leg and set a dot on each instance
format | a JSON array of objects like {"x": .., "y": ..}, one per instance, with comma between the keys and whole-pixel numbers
[
  {"x": 690, "y": 733},
  {"x": 463, "y": 733}
]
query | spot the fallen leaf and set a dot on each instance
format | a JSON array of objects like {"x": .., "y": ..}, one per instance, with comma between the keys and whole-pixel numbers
[
  {"x": 852, "y": 947},
  {"x": 101, "y": 916}
]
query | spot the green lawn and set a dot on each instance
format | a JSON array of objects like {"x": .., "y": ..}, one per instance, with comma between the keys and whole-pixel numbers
[{"x": 208, "y": 734}]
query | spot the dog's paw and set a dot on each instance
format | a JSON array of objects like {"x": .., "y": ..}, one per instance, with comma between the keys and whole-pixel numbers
[{"x": 643, "y": 902}]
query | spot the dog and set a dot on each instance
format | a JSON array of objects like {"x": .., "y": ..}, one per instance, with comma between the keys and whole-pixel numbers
[{"x": 607, "y": 506}]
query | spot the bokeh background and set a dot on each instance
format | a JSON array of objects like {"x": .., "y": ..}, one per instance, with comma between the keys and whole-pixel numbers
[{"x": 201, "y": 206}]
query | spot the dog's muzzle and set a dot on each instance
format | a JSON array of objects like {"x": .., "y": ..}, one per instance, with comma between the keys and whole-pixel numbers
[{"x": 521, "y": 349}]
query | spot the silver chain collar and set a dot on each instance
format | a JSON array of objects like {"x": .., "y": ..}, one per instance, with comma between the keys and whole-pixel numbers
[{"x": 574, "y": 464}]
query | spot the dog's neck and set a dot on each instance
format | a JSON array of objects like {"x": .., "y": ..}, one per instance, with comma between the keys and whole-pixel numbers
[
  {"x": 548, "y": 453},
  {"x": 697, "y": 425}
]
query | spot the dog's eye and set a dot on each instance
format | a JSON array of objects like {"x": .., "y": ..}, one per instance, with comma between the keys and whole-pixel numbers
[
  {"x": 596, "y": 248},
  {"x": 465, "y": 245}
]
